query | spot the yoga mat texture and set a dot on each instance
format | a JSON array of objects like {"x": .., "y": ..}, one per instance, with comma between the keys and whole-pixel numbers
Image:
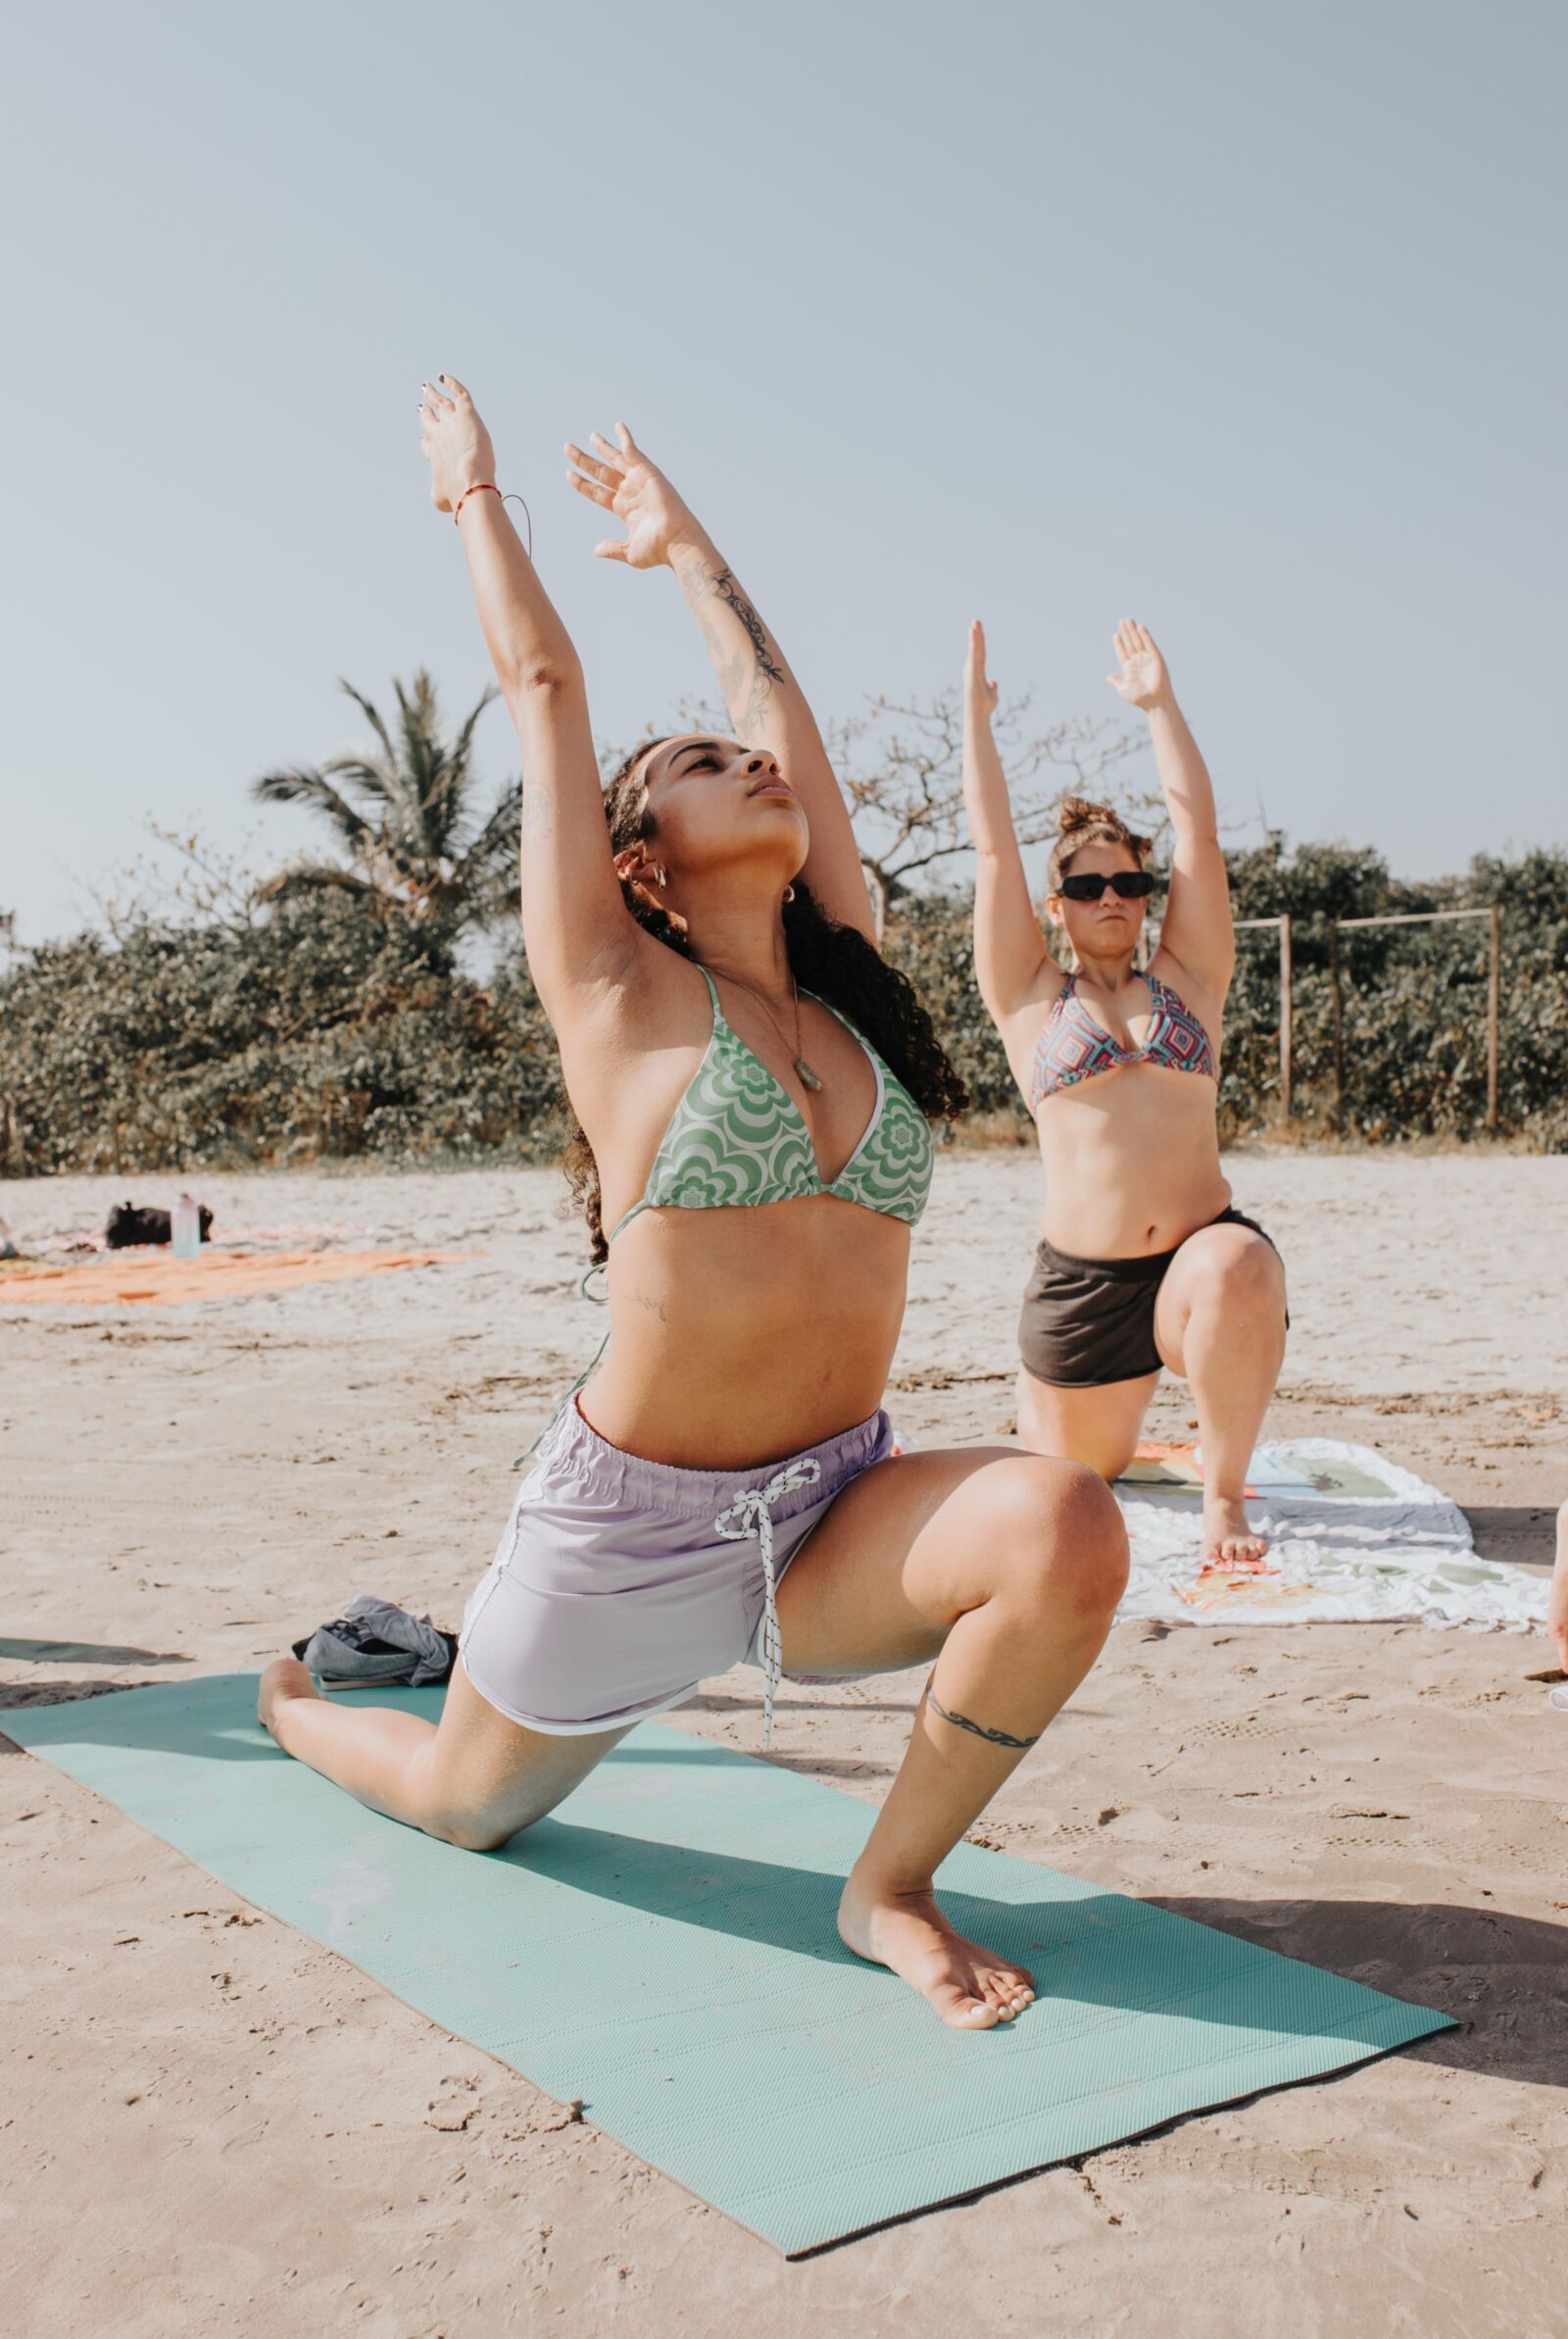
[{"x": 664, "y": 1949}]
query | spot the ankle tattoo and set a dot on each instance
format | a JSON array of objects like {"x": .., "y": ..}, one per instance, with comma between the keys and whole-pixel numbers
[{"x": 961, "y": 1721}]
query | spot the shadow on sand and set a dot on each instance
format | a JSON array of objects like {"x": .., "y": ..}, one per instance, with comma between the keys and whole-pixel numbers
[
  {"x": 1501, "y": 1976},
  {"x": 28, "y": 1652}
]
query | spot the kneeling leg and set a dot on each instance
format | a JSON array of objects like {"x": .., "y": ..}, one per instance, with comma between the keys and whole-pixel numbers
[
  {"x": 1096, "y": 1425},
  {"x": 473, "y": 1778},
  {"x": 1220, "y": 1322}
]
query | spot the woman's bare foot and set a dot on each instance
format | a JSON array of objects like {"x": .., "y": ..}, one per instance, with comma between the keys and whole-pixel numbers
[
  {"x": 971, "y": 1988},
  {"x": 1228, "y": 1539},
  {"x": 284, "y": 1679}
]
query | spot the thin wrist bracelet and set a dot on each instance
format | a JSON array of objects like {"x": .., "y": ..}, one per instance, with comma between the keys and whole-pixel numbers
[{"x": 478, "y": 488}]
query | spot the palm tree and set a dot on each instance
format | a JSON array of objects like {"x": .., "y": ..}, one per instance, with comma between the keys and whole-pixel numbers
[{"x": 411, "y": 838}]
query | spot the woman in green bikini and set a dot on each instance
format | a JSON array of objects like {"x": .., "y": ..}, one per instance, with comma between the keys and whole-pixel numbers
[{"x": 753, "y": 1085}]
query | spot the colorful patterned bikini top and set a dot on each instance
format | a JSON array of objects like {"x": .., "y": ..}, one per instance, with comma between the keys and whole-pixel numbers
[
  {"x": 738, "y": 1139},
  {"x": 1072, "y": 1047}
]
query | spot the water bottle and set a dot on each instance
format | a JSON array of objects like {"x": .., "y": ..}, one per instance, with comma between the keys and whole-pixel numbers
[{"x": 186, "y": 1229}]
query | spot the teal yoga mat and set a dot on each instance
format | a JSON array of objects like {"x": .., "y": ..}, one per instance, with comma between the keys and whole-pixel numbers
[{"x": 663, "y": 1948}]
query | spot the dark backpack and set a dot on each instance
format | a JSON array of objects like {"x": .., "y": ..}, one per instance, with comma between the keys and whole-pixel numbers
[{"x": 130, "y": 1225}]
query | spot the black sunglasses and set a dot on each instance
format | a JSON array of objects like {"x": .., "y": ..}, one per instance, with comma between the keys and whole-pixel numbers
[{"x": 1130, "y": 885}]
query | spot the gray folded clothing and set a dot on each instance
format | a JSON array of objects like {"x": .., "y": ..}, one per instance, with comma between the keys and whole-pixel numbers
[{"x": 374, "y": 1640}]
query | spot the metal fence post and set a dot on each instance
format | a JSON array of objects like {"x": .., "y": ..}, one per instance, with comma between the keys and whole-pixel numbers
[
  {"x": 1286, "y": 1027},
  {"x": 1493, "y": 986},
  {"x": 1337, "y": 997}
]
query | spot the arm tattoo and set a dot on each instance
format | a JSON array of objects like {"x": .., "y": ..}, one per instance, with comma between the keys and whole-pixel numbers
[
  {"x": 729, "y": 592},
  {"x": 961, "y": 1721},
  {"x": 747, "y": 704}
]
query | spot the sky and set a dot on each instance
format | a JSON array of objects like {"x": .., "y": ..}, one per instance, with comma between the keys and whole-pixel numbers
[{"x": 1243, "y": 321}]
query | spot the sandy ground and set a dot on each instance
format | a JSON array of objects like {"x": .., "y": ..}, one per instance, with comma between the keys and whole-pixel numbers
[{"x": 211, "y": 2126}]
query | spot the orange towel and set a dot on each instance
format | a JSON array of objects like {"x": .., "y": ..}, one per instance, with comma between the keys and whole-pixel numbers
[{"x": 167, "y": 1282}]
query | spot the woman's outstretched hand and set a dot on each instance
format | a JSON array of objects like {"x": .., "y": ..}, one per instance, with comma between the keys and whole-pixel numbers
[
  {"x": 978, "y": 688},
  {"x": 453, "y": 440},
  {"x": 1142, "y": 680},
  {"x": 623, "y": 480}
]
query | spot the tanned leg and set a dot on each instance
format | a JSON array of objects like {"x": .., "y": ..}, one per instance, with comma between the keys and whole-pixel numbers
[
  {"x": 1007, "y": 1569},
  {"x": 1098, "y": 1426},
  {"x": 1220, "y": 1321},
  {"x": 1557, "y": 1602},
  {"x": 473, "y": 1779}
]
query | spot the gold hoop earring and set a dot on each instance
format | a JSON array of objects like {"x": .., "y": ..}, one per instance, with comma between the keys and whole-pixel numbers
[{"x": 789, "y": 893}]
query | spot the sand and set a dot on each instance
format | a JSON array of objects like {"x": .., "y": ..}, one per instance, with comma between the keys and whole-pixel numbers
[{"x": 211, "y": 2126}]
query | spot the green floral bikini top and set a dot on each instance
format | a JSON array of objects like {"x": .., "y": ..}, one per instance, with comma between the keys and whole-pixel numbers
[{"x": 738, "y": 1139}]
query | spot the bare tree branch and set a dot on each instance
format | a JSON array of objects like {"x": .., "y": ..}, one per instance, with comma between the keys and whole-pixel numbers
[{"x": 900, "y": 766}]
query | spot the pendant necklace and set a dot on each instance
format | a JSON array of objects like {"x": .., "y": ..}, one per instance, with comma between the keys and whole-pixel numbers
[{"x": 805, "y": 1073}]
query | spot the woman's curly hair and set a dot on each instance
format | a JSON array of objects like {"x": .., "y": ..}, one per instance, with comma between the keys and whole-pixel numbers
[
  {"x": 1080, "y": 823},
  {"x": 834, "y": 960}
]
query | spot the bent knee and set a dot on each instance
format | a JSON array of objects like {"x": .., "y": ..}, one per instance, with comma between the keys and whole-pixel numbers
[
  {"x": 1064, "y": 1545},
  {"x": 1088, "y": 1560},
  {"x": 1246, "y": 1272},
  {"x": 468, "y": 1831}
]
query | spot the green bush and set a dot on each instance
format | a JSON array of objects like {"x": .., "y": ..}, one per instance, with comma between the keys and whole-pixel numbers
[
  {"x": 1414, "y": 998},
  {"x": 329, "y": 1031},
  {"x": 323, "y": 1032}
]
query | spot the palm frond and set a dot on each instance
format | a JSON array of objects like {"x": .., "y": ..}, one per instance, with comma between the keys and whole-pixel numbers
[
  {"x": 307, "y": 783},
  {"x": 382, "y": 777},
  {"x": 314, "y": 876},
  {"x": 373, "y": 716},
  {"x": 451, "y": 800},
  {"x": 409, "y": 845},
  {"x": 485, "y": 872},
  {"x": 422, "y": 763},
  {"x": 367, "y": 776}
]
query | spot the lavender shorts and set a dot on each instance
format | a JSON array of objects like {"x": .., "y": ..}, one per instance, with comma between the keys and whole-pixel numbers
[{"x": 620, "y": 1584}]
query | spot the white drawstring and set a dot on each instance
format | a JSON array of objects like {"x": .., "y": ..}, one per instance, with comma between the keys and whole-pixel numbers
[{"x": 752, "y": 1513}]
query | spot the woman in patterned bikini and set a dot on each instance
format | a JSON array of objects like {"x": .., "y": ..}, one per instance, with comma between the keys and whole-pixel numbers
[
  {"x": 1143, "y": 1263},
  {"x": 753, "y": 1084}
]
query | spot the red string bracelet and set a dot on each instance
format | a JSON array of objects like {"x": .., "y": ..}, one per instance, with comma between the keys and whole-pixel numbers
[{"x": 478, "y": 487}]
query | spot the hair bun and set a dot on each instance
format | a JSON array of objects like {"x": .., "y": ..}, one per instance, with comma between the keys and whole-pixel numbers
[
  {"x": 1076, "y": 811},
  {"x": 1080, "y": 823}
]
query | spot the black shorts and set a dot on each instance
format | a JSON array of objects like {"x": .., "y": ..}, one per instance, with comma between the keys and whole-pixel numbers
[{"x": 1089, "y": 1322}]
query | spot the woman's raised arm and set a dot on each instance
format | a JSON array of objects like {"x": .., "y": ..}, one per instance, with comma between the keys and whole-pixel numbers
[
  {"x": 575, "y": 924},
  {"x": 1197, "y": 931},
  {"x": 1009, "y": 950},
  {"x": 764, "y": 700}
]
